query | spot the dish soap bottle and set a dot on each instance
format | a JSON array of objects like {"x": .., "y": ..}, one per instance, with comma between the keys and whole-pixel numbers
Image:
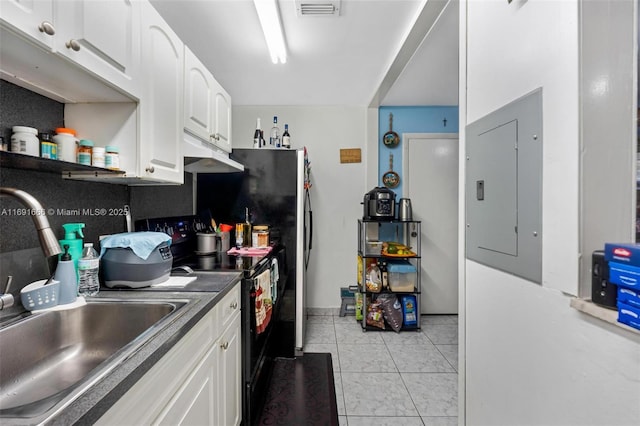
[
  {"x": 88, "y": 266},
  {"x": 73, "y": 238},
  {"x": 66, "y": 275}
]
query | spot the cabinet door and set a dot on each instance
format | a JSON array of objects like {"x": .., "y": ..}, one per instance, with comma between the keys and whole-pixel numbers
[
  {"x": 31, "y": 18},
  {"x": 161, "y": 103},
  {"x": 199, "y": 96},
  {"x": 102, "y": 36},
  {"x": 222, "y": 130},
  {"x": 193, "y": 402},
  {"x": 229, "y": 399}
]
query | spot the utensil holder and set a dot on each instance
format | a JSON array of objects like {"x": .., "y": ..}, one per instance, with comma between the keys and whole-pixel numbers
[{"x": 37, "y": 295}]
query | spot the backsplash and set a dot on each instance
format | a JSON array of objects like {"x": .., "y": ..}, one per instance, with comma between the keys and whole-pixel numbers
[{"x": 98, "y": 205}]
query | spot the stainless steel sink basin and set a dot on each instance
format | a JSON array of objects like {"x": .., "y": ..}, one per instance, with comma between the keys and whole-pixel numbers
[{"x": 47, "y": 356}]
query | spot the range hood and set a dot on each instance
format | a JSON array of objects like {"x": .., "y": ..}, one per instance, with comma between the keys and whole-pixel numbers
[{"x": 203, "y": 157}]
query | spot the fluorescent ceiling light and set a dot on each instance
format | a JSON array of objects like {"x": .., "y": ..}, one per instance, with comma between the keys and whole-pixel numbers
[{"x": 270, "y": 20}]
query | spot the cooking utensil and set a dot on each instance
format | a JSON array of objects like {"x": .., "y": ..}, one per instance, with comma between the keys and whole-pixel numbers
[
  {"x": 390, "y": 139},
  {"x": 391, "y": 179}
]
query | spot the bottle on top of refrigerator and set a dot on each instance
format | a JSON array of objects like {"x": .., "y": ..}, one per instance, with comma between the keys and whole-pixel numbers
[
  {"x": 274, "y": 141},
  {"x": 257, "y": 136},
  {"x": 286, "y": 138},
  {"x": 88, "y": 266}
]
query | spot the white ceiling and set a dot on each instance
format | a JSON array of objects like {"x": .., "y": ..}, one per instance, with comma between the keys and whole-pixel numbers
[{"x": 337, "y": 60}]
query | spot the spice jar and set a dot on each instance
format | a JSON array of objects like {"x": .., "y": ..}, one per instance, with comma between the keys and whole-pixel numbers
[
  {"x": 67, "y": 144},
  {"x": 98, "y": 156},
  {"x": 24, "y": 140},
  {"x": 260, "y": 236},
  {"x": 48, "y": 148},
  {"x": 85, "y": 150},
  {"x": 112, "y": 157}
]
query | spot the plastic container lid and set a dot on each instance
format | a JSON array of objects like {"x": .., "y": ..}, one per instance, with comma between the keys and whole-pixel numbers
[
  {"x": 98, "y": 149},
  {"x": 261, "y": 228},
  {"x": 66, "y": 130},
  {"x": 24, "y": 129},
  {"x": 111, "y": 148},
  {"x": 401, "y": 268},
  {"x": 86, "y": 142}
]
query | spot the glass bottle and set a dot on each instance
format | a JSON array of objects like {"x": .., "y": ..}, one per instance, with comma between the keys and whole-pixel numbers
[
  {"x": 274, "y": 141},
  {"x": 286, "y": 138}
]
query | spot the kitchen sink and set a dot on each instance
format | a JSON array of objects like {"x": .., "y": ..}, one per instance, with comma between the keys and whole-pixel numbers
[{"x": 47, "y": 357}]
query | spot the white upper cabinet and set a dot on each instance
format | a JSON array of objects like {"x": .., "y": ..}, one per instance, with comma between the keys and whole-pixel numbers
[
  {"x": 207, "y": 112},
  {"x": 223, "y": 118},
  {"x": 101, "y": 36},
  {"x": 162, "y": 100},
  {"x": 32, "y": 18}
]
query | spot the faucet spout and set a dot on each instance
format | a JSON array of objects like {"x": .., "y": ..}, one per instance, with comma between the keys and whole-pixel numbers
[{"x": 48, "y": 241}]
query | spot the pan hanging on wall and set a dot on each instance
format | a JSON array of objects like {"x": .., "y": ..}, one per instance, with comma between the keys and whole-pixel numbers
[
  {"x": 390, "y": 179},
  {"x": 391, "y": 138}
]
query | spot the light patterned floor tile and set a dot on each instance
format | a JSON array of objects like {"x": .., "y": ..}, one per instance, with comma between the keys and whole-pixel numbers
[
  {"x": 450, "y": 352},
  {"x": 440, "y": 421},
  {"x": 320, "y": 333},
  {"x": 365, "y": 358},
  {"x": 405, "y": 338},
  {"x": 376, "y": 394},
  {"x": 419, "y": 359},
  {"x": 442, "y": 334},
  {"x": 438, "y": 319},
  {"x": 384, "y": 421},
  {"x": 353, "y": 333},
  {"x": 337, "y": 380},
  {"x": 434, "y": 394},
  {"x": 322, "y": 319}
]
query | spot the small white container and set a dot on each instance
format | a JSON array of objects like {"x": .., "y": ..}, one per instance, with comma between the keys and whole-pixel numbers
[
  {"x": 67, "y": 144},
  {"x": 24, "y": 140},
  {"x": 97, "y": 156}
]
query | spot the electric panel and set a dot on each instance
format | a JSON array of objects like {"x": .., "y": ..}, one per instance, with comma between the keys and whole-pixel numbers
[{"x": 504, "y": 188}]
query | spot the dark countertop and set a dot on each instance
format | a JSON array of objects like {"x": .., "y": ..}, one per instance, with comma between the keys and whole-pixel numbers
[{"x": 90, "y": 405}]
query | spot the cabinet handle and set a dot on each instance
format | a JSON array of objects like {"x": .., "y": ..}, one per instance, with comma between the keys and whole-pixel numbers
[
  {"x": 234, "y": 305},
  {"x": 215, "y": 136},
  {"x": 73, "y": 44},
  {"x": 224, "y": 345},
  {"x": 150, "y": 169},
  {"x": 47, "y": 28}
]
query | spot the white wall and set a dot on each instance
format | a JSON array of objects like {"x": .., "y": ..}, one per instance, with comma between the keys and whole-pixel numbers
[
  {"x": 530, "y": 358},
  {"x": 337, "y": 191}
]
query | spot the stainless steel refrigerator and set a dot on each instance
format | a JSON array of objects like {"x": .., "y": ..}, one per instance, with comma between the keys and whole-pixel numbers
[{"x": 275, "y": 187}]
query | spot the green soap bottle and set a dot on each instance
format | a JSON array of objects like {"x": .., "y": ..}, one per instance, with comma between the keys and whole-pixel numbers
[{"x": 73, "y": 238}]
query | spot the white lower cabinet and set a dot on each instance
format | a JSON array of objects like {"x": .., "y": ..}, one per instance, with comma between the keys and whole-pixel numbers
[{"x": 198, "y": 382}]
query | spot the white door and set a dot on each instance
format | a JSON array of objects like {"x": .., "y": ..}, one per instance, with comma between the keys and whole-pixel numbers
[{"x": 430, "y": 169}]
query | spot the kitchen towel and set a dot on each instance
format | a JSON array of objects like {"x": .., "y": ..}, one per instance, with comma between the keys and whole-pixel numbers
[
  {"x": 250, "y": 251},
  {"x": 263, "y": 301},
  {"x": 141, "y": 243}
]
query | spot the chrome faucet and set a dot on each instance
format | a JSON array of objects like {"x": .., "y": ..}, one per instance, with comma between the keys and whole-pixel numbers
[{"x": 48, "y": 241}]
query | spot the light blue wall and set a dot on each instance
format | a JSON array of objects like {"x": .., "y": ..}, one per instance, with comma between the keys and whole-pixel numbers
[{"x": 410, "y": 119}]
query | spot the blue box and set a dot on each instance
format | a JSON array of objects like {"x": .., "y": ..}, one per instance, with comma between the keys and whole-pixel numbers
[
  {"x": 625, "y": 253},
  {"x": 629, "y": 315},
  {"x": 624, "y": 275},
  {"x": 629, "y": 297}
]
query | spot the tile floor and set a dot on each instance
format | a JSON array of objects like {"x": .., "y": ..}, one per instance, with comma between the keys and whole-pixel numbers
[{"x": 387, "y": 378}]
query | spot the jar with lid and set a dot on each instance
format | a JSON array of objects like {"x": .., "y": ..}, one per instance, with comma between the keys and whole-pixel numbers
[
  {"x": 24, "y": 140},
  {"x": 48, "y": 148},
  {"x": 260, "y": 236},
  {"x": 98, "y": 156},
  {"x": 112, "y": 157},
  {"x": 85, "y": 150},
  {"x": 67, "y": 144}
]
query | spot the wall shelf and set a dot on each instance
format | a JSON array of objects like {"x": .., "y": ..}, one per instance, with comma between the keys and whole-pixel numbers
[{"x": 14, "y": 160}]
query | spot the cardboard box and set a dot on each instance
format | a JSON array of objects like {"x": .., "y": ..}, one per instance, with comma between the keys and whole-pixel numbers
[
  {"x": 629, "y": 315},
  {"x": 624, "y": 275},
  {"x": 629, "y": 297},
  {"x": 624, "y": 253}
]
